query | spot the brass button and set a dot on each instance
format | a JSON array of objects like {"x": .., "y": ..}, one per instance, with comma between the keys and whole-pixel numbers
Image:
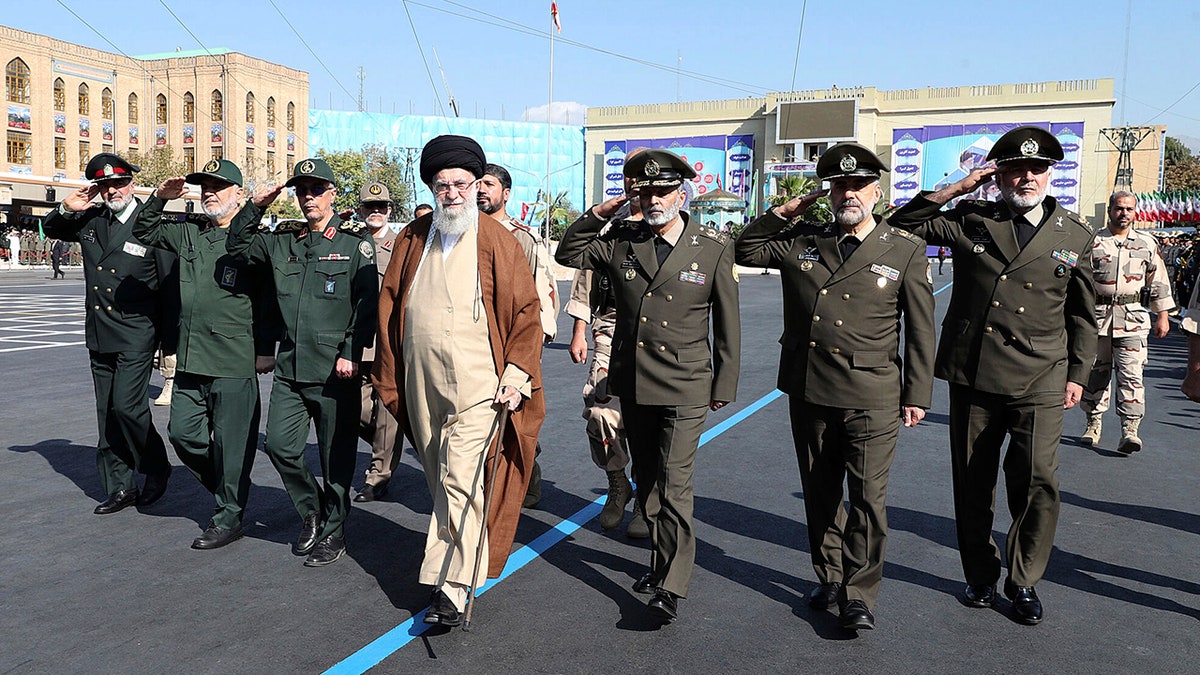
[
  {"x": 649, "y": 294},
  {"x": 95, "y": 306},
  {"x": 1028, "y": 285},
  {"x": 643, "y": 319},
  {"x": 1020, "y": 310},
  {"x": 663, "y": 324},
  {"x": 641, "y": 344},
  {"x": 95, "y": 288},
  {"x": 836, "y": 350},
  {"x": 108, "y": 308},
  {"x": 824, "y": 291},
  {"x": 668, "y": 297},
  {"x": 108, "y": 290},
  {"x": 662, "y": 348},
  {"x": 845, "y": 296},
  {"x": 995, "y": 303},
  {"x": 113, "y": 271},
  {"x": 100, "y": 268},
  {"x": 812, "y": 344},
  {"x": 988, "y": 329},
  {"x": 816, "y": 318},
  {"x": 1003, "y": 277},
  {"x": 838, "y": 322}
]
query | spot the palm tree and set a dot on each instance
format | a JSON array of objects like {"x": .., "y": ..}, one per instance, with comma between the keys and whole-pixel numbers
[{"x": 562, "y": 213}]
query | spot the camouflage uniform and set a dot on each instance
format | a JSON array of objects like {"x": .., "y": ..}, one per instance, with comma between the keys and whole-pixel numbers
[
  {"x": 601, "y": 409},
  {"x": 1120, "y": 270}
]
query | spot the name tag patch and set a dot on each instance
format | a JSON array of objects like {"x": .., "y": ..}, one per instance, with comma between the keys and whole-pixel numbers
[
  {"x": 229, "y": 277},
  {"x": 630, "y": 264},
  {"x": 1067, "y": 257},
  {"x": 334, "y": 256},
  {"x": 693, "y": 277},
  {"x": 90, "y": 235},
  {"x": 885, "y": 271},
  {"x": 134, "y": 249}
]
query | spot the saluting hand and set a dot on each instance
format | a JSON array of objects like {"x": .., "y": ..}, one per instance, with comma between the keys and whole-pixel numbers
[
  {"x": 171, "y": 188},
  {"x": 345, "y": 369},
  {"x": 974, "y": 179},
  {"x": 610, "y": 207},
  {"x": 263, "y": 199},
  {"x": 912, "y": 415},
  {"x": 1073, "y": 394},
  {"x": 80, "y": 199},
  {"x": 796, "y": 206}
]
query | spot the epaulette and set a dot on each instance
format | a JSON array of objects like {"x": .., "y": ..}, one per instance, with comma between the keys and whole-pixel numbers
[
  {"x": 352, "y": 226},
  {"x": 284, "y": 226},
  {"x": 198, "y": 219},
  {"x": 907, "y": 235},
  {"x": 1082, "y": 222},
  {"x": 713, "y": 233}
]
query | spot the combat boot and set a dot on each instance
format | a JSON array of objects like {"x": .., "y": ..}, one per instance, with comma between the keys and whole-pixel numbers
[
  {"x": 164, "y": 397},
  {"x": 1091, "y": 435},
  {"x": 1130, "y": 443},
  {"x": 619, "y": 492},
  {"x": 638, "y": 527}
]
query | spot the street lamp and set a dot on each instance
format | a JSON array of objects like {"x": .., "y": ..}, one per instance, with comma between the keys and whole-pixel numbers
[{"x": 545, "y": 227}]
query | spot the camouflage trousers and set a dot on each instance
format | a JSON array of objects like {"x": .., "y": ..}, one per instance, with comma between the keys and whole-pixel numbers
[
  {"x": 602, "y": 410},
  {"x": 1127, "y": 357}
]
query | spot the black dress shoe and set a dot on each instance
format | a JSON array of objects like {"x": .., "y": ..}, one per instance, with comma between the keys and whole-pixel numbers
[
  {"x": 824, "y": 596},
  {"x": 216, "y": 537},
  {"x": 442, "y": 611},
  {"x": 856, "y": 616},
  {"x": 980, "y": 596},
  {"x": 370, "y": 493},
  {"x": 116, "y": 501},
  {"x": 1026, "y": 606},
  {"x": 646, "y": 584},
  {"x": 327, "y": 551},
  {"x": 664, "y": 604},
  {"x": 154, "y": 488},
  {"x": 308, "y": 535}
]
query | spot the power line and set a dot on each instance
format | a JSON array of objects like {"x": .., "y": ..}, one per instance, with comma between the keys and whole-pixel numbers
[
  {"x": 417, "y": 39},
  {"x": 799, "y": 35},
  {"x": 1177, "y": 101},
  {"x": 310, "y": 49}
]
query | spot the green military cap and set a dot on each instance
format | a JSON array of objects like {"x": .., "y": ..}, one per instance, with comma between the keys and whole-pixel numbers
[
  {"x": 374, "y": 192},
  {"x": 220, "y": 169},
  {"x": 658, "y": 168},
  {"x": 849, "y": 159},
  {"x": 313, "y": 167},
  {"x": 108, "y": 166},
  {"x": 1027, "y": 143}
]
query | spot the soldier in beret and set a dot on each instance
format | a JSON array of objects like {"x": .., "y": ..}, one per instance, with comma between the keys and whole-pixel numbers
[
  {"x": 846, "y": 285},
  {"x": 225, "y": 336},
  {"x": 673, "y": 279},
  {"x": 327, "y": 290},
  {"x": 130, "y": 289},
  {"x": 1018, "y": 343}
]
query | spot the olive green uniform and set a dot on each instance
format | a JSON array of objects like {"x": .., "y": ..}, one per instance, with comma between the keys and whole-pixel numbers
[
  {"x": 1021, "y": 324},
  {"x": 215, "y": 407},
  {"x": 846, "y": 378},
  {"x": 126, "y": 286},
  {"x": 327, "y": 291},
  {"x": 663, "y": 368}
]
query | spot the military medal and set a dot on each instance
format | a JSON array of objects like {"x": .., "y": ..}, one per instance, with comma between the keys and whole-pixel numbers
[
  {"x": 805, "y": 265},
  {"x": 695, "y": 266},
  {"x": 366, "y": 249},
  {"x": 630, "y": 274},
  {"x": 978, "y": 248},
  {"x": 1060, "y": 271}
]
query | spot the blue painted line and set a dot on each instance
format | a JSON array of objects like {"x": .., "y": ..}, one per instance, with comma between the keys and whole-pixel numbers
[
  {"x": 395, "y": 639},
  {"x": 943, "y": 288}
]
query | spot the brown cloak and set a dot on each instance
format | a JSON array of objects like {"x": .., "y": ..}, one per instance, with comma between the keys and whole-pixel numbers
[{"x": 515, "y": 331}]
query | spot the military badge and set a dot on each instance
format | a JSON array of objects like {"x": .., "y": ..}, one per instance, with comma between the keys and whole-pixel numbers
[
  {"x": 366, "y": 249},
  {"x": 695, "y": 266},
  {"x": 651, "y": 168},
  {"x": 229, "y": 276},
  {"x": 695, "y": 240},
  {"x": 1029, "y": 147},
  {"x": 881, "y": 281},
  {"x": 108, "y": 170},
  {"x": 630, "y": 274},
  {"x": 810, "y": 253},
  {"x": 329, "y": 287},
  {"x": 977, "y": 248},
  {"x": 848, "y": 163},
  {"x": 1060, "y": 271},
  {"x": 805, "y": 265},
  {"x": 307, "y": 166},
  {"x": 375, "y": 189},
  {"x": 212, "y": 166},
  {"x": 736, "y": 278},
  {"x": 329, "y": 232}
]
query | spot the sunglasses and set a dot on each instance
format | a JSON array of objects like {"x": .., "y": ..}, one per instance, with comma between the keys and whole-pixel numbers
[{"x": 314, "y": 190}]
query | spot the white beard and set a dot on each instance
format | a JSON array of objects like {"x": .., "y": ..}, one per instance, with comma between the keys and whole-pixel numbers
[
  {"x": 117, "y": 204},
  {"x": 1019, "y": 201},
  {"x": 457, "y": 219},
  {"x": 668, "y": 214},
  {"x": 219, "y": 211}
]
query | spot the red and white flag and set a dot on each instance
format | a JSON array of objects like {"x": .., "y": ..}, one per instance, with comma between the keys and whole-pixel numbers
[{"x": 554, "y": 16}]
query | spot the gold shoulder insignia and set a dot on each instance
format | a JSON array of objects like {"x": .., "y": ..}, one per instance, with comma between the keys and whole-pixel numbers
[
  {"x": 715, "y": 234},
  {"x": 907, "y": 235},
  {"x": 352, "y": 226},
  {"x": 285, "y": 226}
]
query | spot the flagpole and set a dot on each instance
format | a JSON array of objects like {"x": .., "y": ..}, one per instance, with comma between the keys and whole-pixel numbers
[{"x": 550, "y": 131}]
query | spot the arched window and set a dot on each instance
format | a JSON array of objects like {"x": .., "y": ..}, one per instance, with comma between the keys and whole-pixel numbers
[
  {"x": 249, "y": 107},
  {"x": 291, "y": 116},
  {"x": 85, "y": 104},
  {"x": 160, "y": 109},
  {"x": 218, "y": 106},
  {"x": 133, "y": 109},
  {"x": 60, "y": 96},
  {"x": 106, "y": 104},
  {"x": 189, "y": 108},
  {"x": 16, "y": 81},
  {"x": 271, "y": 111}
]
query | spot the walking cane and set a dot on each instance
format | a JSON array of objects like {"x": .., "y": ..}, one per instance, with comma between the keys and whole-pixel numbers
[{"x": 487, "y": 502}]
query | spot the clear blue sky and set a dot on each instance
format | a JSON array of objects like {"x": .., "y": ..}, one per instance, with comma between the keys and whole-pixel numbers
[{"x": 749, "y": 46}]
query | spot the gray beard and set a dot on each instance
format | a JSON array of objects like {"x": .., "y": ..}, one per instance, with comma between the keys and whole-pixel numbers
[
  {"x": 117, "y": 205},
  {"x": 1022, "y": 202},
  {"x": 456, "y": 220},
  {"x": 219, "y": 211},
  {"x": 668, "y": 214}
]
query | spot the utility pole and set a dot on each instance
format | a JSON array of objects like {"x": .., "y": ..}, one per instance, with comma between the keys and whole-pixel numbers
[
  {"x": 362, "y": 78},
  {"x": 1125, "y": 140}
]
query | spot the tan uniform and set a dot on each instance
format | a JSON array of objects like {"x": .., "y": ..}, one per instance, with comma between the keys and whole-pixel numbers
[
  {"x": 376, "y": 425},
  {"x": 1190, "y": 320},
  {"x": 1121, "y": 268},
  {"x": 539, "y": 264},
  {"x": 601, "y": 409},
  {"x": 449, "y": 386}
]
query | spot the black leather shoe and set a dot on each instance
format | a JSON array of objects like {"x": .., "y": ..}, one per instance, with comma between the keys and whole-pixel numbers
[
  {"x": 216, "y": 537},
  {"x": 533, "y": 495},
  {"x": 326, "y": 552},
  {"x": 154, "y": 488},
  {"x": 1027, "y": 608},
  {"x": 980, "y": 596},
  {"x": 116, "y": 501},
  {"x": 370, "y": 493},
  {"x": 824, "y": 596},
  {"x": 646, "y": 584},
  {"x": 856, "y": 616},
  {"x": 664, "y": 604},
  {"x": 308, "y": 535},
  {"x": 442, "y": 611}
]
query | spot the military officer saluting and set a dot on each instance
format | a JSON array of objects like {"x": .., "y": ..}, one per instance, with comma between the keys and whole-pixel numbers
[
  {"x": 224, "y": 302},
  {"x": 327, "y": 290},
  {"x": 128, "y": 287},
  {"x": 846, "y": 285},
  {"x": 1018, "y": 342},
  {"x": 672, "y": 279}
]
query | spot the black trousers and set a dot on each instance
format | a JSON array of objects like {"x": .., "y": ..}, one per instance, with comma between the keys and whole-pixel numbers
[{"x": 127, "y": 439}]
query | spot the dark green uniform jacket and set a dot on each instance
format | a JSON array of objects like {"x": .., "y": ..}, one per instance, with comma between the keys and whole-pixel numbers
[
  {"x": 130, "y": 288},
  {"x": 660, "y": 353},
  {"x": 326, "y": 284},
  {"x": 841, "y": 331},
  {"x": 224, "y": 302},
  {"x": 1027, "y": 315}
]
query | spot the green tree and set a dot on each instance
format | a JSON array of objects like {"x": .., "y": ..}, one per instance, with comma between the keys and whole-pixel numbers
[
  {"x": 156, "y": 164},
  {"x": 795, "y": 186},
  {"x": 374, "y": 163},
  {"x": 562, "y": 213},
  {"x": 1184, "y": 176},
  {"x": 1175, "y": 152}
]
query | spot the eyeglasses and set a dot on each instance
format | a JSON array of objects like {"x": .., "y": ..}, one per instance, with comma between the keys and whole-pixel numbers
[
  {"x": 442, "y": 188},
  {"x": 314, "y": 190}
]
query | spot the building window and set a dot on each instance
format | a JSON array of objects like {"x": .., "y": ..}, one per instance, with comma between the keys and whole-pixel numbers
[
  {"x": 160, "y": 109},
  {"x": 107, "y": 147},
  {"x": 189, "y": 108},
  {"x": 60, "y": 154},
  {"x": 60, "y": 95},
  {"x": 291, "y": 116},
  {"x": 291, "y": 162},
  {"x": 218, "y": 152},
  {"x": 249, "y": 107},
  {"x": 85, "y": 104},
  {"x": 250, "y": 160},
  {"x": 16, "y": 81},
  {"x": 85, "y": 153},
  {"x": 20, "y": 149},
  {"x": 270, "y": 165},
  {"x": 218, "y": 106},
  {"x": 133, "y": 109},
  {"x": 106, "y": 104},
  {"x": 189, "y": 159},
  {"x": 271, "y": 111}
]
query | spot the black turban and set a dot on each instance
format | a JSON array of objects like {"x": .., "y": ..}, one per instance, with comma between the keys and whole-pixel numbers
[{"x": 451, "y": 152}]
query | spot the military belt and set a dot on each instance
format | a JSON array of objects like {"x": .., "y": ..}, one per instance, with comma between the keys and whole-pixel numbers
[{"x": 1127, "y": 299}]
